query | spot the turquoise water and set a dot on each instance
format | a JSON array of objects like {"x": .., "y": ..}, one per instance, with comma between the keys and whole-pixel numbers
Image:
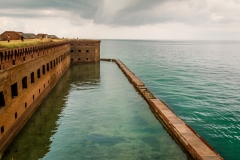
[
  {"x": 93, "y": 113},
  {"x": 198, "y": 80}
]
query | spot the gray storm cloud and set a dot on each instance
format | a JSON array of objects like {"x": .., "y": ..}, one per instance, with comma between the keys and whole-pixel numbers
[
  {"x": 83, "y": 8},
  {"x": 191, "y": 12},
  {"x": 127, "y": 12}
]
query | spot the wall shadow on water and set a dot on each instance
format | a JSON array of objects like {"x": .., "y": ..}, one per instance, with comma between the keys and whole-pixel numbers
[{"x": 33, "y": 141}]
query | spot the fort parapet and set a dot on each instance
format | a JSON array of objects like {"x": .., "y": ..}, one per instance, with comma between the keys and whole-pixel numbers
[{"x": 28, "y": 74}]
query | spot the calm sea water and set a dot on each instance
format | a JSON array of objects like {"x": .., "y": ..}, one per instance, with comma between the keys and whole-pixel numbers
[
  {"x": 198, "y": 80},
  {"x": 93, "y": 113}
]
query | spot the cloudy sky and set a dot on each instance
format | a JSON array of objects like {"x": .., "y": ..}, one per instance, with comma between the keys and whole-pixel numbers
[{"x": 124, "y": 19}]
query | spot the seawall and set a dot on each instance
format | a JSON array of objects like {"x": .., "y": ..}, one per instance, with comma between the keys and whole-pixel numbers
[{"x": 196, "y": 146}]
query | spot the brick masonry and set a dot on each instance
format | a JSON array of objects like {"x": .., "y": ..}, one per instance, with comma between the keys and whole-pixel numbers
[{"x": 84, "y": 51}]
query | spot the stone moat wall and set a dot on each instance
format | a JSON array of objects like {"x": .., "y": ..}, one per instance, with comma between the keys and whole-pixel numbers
[{"x": 28, "y": 74}]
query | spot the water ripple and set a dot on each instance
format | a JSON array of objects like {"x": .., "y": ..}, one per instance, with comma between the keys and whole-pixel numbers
[{"x": 198, "y": 80}]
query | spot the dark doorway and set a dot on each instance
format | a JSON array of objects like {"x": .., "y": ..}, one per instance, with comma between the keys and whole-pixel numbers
[
  {"x": 43, "y": 69},
  {"x": 14, "y": 90},
  {"x": 2, "y": 129},
  {"x": 16, "y": 115},
  {"x": 2, "y": 101},
  {"x": 38, "y": 73},
  {"x": 32, "y": 77},
  {"x": 24, "y": 82}
]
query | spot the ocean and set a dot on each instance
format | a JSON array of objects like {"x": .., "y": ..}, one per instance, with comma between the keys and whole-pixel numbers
[
  {"x": 198, "y": 80},
  {"x": 95, "y": 113}
]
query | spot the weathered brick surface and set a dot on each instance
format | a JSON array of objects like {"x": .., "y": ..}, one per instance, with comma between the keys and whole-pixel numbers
[{"x": 84, "y": 51}]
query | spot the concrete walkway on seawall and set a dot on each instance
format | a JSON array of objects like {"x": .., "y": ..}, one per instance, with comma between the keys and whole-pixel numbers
[{"x": 189, "y": 139}]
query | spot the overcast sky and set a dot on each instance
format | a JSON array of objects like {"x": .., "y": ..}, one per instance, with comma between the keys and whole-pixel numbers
[{"x": 124, "y": 19}]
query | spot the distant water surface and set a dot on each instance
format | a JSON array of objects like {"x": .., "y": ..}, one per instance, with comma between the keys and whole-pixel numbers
[{"x": 198, "y": 80}]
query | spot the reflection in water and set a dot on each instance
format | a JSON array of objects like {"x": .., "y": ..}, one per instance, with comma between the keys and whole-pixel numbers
[
  {"x": 84, "y": 74},
  {"x": 33, "y": 140},
  {"x": 88, "y": 116}
]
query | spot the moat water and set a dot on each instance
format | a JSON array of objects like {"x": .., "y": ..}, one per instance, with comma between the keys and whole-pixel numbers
[
  {"x": 99, "y": 115},
  {"x": 93, "y": 113}
]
